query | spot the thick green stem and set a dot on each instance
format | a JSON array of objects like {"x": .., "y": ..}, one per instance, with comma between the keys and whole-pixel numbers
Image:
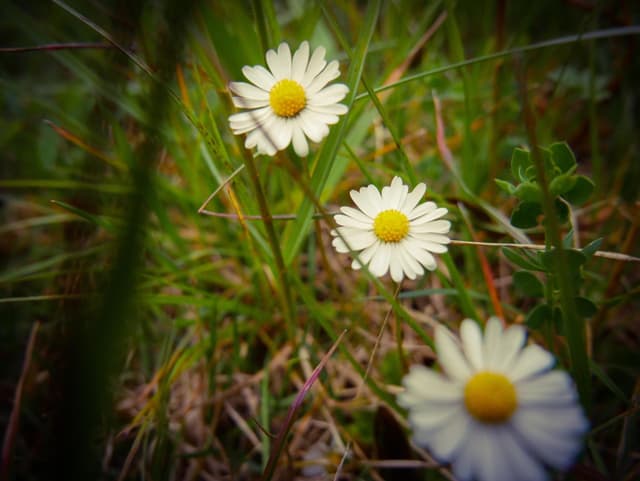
[{"x": 574, "y": 326}]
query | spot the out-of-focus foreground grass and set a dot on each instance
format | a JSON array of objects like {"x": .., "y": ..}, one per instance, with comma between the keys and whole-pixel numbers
[{"x": 168, "y": 344}]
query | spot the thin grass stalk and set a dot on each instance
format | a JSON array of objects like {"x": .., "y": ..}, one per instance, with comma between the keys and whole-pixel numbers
[
  {"x": 596, "y": 160},
  {"x": 404, "y": 159},
  {"x": 594, "y": 35},
  {"x": 575, "y": 332},
  {"x": 469, "y": 163},
  {"x": 274, "y": 243},
  {"x": 456, "y": 279}
]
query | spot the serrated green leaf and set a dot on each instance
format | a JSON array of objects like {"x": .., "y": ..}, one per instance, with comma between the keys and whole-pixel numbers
[
  {"x": 563, "y": 156},
  {"x": 505, "y": 186},
  {"x": 591, "y": 248},
  {"x": 528, "y": 192},
  {"x": 526, "y": 215},
  {"x": 562, "y": 183},
  {"x": 520, "y": 160},
  {"x": 521, "y": 260},
  {"x": 585, "y": 307},
  {"x": 528, "y": 284},
  {"x": 538, "y": 316},
  {"x": 580, "y": 192}
]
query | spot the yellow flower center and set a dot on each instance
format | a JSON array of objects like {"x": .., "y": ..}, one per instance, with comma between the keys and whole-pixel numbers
[
  {"x": 391, "y": 225},
  {"x": 287, "y": 98},
  {"x": 490, "y": 397}
]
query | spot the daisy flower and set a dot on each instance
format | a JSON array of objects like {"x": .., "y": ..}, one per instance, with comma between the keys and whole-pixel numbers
[
  {"x": 391, "y": 231},
  {"x": 497, "y": 413},
  {"x": 288, "y": 102}
]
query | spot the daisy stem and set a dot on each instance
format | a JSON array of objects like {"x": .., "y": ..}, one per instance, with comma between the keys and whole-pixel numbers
[
  {"x": 399, "y": 337},
  {"x": 274, "y": 243},
  {"x": 574, "y": 327}
]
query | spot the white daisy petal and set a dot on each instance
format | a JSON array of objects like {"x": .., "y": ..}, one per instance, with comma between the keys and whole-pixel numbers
[
  {"x": 329, "y": 95},
  {"x": 553, "y": 386},
  {"x": 356, "y": 241},
  {"x": 334, "y": 109},
  {"x": 246, "y": 121},
  {"x": 427, "y": 420},
  {"x": 411, "y": 264},
  {"x": 357, "y": 215},
  {"x": 395, "y": 265},
  {"x": 444, "y": 443},
  {"x": 433, "y": 227},
  {"x": 259, "y": 76},
  {"x": 426, "y": 384},
  {"x": 532, "y": 360},
  {"x": 361, "y": 199},
  {"x": 413, "y": 198},
  {"x": 471, "y": 338},
  {"x": 512, "y": 341},
  {"x": 282, "y": 66},
  {"x": 281, "y": 133},
  {"x": 374, "y": 197},
  {"x": 553, "y": 443},
  {"x": 422, "y": 210},
  {"x": 316, "y": 64},
  {"x": 299, "y": 62},
  {"x": 248, "y": 91},
  {"x": 366, "y": 255},
  {"x": 314, "y": 130},
  {"x": 424, "y": 257},
  {"x": 452, "y": 361},
  {"x": 518, "y": 463},
  {"x": 393, "y": 196},
  {"x": 523, "y": 463},
  {"x": 380, "y": 263},
  {"x": 320, "y": 118},
  {"x": 492, "y": 342},
  {"x": 430, "y": 216},
  {"x": 430, "y": 246},
  {"x": 332, "y": 71},
  {"x": 349, "y": 221},
  {"x": 245, "y": 103},
  {"x": 300, "y": 144}
]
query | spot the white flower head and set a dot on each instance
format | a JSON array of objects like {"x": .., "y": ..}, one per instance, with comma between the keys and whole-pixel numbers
[
  {"x": 288, "y": 102},
  {"x": 392, "y": 230},
  {"x": 498, "y": 413}
]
